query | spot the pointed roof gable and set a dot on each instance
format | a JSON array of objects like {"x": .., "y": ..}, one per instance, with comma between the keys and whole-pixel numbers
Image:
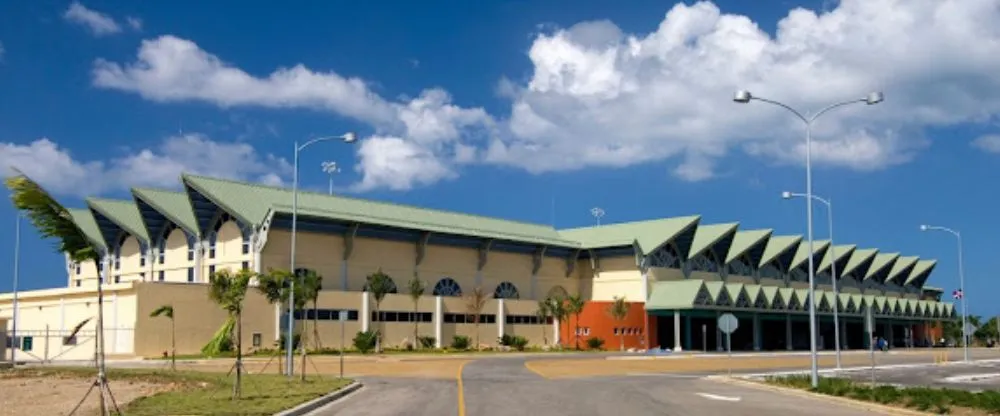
[
  {"x": 861, "y": 260},
  {"x": 780, "y": 246},
  {"x": 120, "y": 215},
  {"x": 720, "y": 296},
  {"x": 749, "y": 242},
  {"x": 717, "y": 237},
  {"x": 678, "y": 294},
  {"x": 901, "y": 270},
  {"x": 921, "y": 271},
  {"x": 801, "y": 255},
  {"x": 881, "y": 265},
  {"x": 773, "y": 298},
  {"x": 842, "y": 252},
  {"x": 791, "y": 299},
  {"x": 648, "y": 235},
  {"x": 756, "y": 297},
  {"x": 172, "y": 206},
  {"x": 84, "y": 220},
  {"x": 740, "y": 297},
  {"x": 250, "y": 203}
]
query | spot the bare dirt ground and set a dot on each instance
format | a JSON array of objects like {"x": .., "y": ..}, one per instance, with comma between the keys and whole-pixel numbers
[
  {"x": 58, "y": 395},
  {"x": 330, "y": 365}
]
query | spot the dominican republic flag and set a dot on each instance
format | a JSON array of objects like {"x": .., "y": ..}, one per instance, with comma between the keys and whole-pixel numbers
[{"x": 957, "y": 294}]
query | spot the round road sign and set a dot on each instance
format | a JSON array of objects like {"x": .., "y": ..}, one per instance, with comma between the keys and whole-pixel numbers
[{"x": 728, "y": 323}]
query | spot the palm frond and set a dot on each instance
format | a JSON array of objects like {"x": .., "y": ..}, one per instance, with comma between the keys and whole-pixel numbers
[
  {"x": 163, "y": 310},
  {"x": 78, "y": 327},
  {"x": 50, "y": 218}
]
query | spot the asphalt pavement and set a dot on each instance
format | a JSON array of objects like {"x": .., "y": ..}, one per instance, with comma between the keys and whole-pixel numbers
[{"x": 504, "y": 386}]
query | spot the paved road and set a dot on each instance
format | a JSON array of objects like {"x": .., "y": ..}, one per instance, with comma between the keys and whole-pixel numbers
[
  {"x": 976, "y": 376},
  {"x": 503, "y": 386}
]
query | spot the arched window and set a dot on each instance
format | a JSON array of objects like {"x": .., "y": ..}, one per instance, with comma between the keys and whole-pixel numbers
[
  {"x": 506, "y": 290},
  {"x": 143, "y": 253},
  {"x": 246, "y": 231},
  {"x": 740, "y": 266},
  {"x": 705, "y": 262},
  {"x": 558, "y": 292},
  {"x": 667, "y": 257},
  {"x": 118, "y": 250},
  {"x": 192, "y": 242},
  {"x": 447, "y": 287},
  {"x": 213, "y": 235}
]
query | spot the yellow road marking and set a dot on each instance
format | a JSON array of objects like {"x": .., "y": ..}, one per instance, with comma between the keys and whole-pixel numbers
[
  {"x": 527, "y": 364},
  {"x": 461, "y": 392}
]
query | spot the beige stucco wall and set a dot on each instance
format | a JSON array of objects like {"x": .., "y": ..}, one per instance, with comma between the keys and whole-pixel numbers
[
  {"x": 50, "y": 315},
  {"x": 617, "y": 276},
  {"x": 324, "y": 253}
]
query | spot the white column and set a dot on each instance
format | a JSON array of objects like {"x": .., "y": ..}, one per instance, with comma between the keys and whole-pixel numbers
[
  {"x": 788, "y": 332},
  {"x": 438, "y": 320},
  {"x": 62, "y": 314},
  {"x": 501, "y": 318},
  {"x": 756, "y": 332},
  {"x": 677, "y": 331},
  {"x": 366, "y": 315},
  {"x": 277, "y": 321},
  {"x": 718, "y": 333},
  {"x": 555, "y": 331},
  {"x": 114, "y": 323}
]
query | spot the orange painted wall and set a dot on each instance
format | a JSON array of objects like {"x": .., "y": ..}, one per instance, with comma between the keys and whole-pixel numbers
[
  {"x": 934, "y": 329},
  {"x": 596, "y": 322}
]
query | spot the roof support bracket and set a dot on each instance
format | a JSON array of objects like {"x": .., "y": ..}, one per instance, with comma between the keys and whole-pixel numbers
[
  {"x": 595, "y": 262},
  {"x": 349, "y": 240},
  {"x": 571, "y": 262},
  {"x": 422, "y": 247},
  {"x": 484, "y": 253},
  {"x": 536, "y": 259}
]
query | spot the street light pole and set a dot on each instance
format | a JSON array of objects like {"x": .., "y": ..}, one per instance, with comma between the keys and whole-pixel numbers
[
  {"x": 346, "y": 138},
  {"x": 17, "y": 272},
  {"x": 743, "y": 97},
  {"x": 833, "y": 269},
  {"x": 961, "y": 283}
]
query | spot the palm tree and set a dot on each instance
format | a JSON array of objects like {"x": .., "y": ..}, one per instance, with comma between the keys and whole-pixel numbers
[
  {"x": 274, "y": 287},
  {"x": 228, "y": 290},
  {"x": 618, "y": 309},
  {"x": 543, "y": 314},
  {"x": 475, "y": 301},
  {"x": 574, "y": 306},
  {"x": 379, "y": 284},
  {"x": 557, "y": 308},
  {"x": 416, "y": 290},
  {"x": 308, "y": 285},
  {"x": 167, "y": 311}
]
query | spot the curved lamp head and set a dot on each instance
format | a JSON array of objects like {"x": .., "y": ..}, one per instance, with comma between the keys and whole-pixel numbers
[
  {"x": 874, "y": 98},
  {"x": 350, "y": 137},
  {"x": 742, "y": 96},
  {"x": 786, "y": 195},
  {"x": 924, "y": 228}
]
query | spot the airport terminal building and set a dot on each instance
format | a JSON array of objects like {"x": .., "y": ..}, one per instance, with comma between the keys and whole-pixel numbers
[{"x": 678, "y": 275}]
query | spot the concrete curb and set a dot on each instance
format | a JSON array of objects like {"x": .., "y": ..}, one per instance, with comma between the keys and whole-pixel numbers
[
  {"x": 858, "y": 404},
  {"x": 307, "y": 407}
]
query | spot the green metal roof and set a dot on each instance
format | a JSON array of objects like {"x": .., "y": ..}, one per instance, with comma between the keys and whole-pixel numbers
[
  {"x": 842, "y": 252},
  {"x": 803, "y": 295},
  {"x": 903, "y": 264},
  {"x": 754, "y": 293},
  {"x": 718, "y": 292},
  {"x": 174, "y": 205},
  {"x": 922, "y": 267},
  {"x": 845, "y": 298},
  {"x": 776, "y": 245},
  {"x": 882, "y": 260},
  {"x": 858, "y": 300},
  {"x": 251, "y": 202},
  {"x": 123, "y": 213},
  {"x": 649, "y": 235},
  {"x": 84, "y": 219},
  {"x": 858, "y": 258},
  {"x": 801, "y": 255},
  {"x": 788, "y": 295},
  {"x": 735, "y": 291},
  {"x": 746, "y": 242},
  {"x": 770, "y": 294},
  {"x": 708, "y": 235},
  {"x": 678, "y": 294}
]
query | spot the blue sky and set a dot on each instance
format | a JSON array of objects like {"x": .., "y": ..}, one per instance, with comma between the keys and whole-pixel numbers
[{"x": 536, "y": 111}]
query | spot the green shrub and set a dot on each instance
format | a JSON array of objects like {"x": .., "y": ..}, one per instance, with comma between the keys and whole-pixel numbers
[
  {"x": 460, "y": 342},
  {"x": 426, "y": 341},
  {"x": 516, "y": 342},
  {"x": 364, "y": 341},
  {"x": 595, "y": 343}
]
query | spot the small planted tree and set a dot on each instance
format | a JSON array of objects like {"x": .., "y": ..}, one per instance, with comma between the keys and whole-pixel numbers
[
  {"x": 557, "y": 308},
  {"x": 309, "y": 284},
  {"x": 416, "y": 289},
  {"x": 618, "y": 310},
  {"x": 475, "y": 301},
  {"x": 379, "y": 284},
  {"x": 543, "y": 313},
  {"x": 574, "y": 306},
  {"x": 274, "y": 286},
  {"x": 229, "y": 290},
  {"x": 167, "y": 311}
]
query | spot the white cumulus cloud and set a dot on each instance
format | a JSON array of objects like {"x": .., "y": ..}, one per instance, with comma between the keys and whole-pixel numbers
[
  {"x": 988, "y": 143},
  {"x": 98, "y": 23},
  {"x": 56, "y": 168},
  {"x": 597, "y": 96}
]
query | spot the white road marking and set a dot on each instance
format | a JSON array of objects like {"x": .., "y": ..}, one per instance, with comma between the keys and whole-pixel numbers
[
  {"x": 970, "y": 377},
  {"x": 665, "y": 375},
  {"x": 717, "y": 397},
  {"x": 978, "y": 363}
]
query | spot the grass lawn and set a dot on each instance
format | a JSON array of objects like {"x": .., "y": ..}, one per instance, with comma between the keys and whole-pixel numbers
[
  {"x": 443, "y": 351},
  {"x": 940, "y": 401},
  {"x": 194, "y": 393}
]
